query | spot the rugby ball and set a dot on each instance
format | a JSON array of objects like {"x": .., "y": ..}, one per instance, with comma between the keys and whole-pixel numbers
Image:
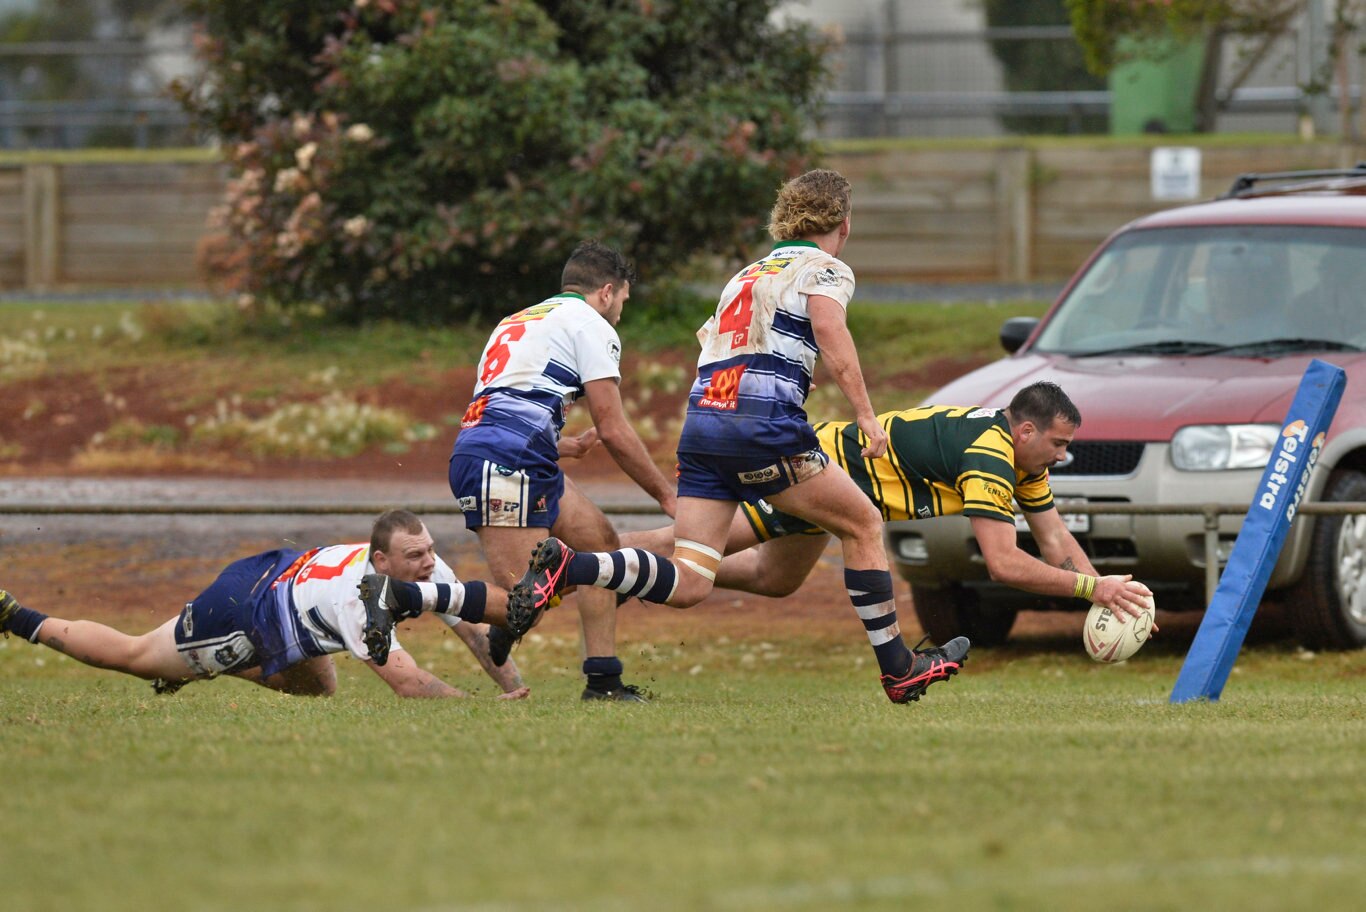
[{"x": 1111, "y": 637}]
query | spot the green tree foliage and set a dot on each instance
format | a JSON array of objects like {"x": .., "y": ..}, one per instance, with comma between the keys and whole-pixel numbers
[
  {"x": 1110, "y": 30},
  {"x": 1041, "y": 66},
  {"x": 395, "y": 158},
  {"x": 1113, "y": 31}
]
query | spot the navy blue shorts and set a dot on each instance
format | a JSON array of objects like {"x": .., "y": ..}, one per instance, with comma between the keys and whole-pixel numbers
[
  {"x": 490, "y": 494},
  {"x": 745, "y": 478},
  {"x": 217, "y": 632}
]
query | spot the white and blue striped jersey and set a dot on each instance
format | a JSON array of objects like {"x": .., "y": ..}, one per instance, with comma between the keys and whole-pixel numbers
[
  {"x": 534, "y": 366},
  {"x": 758, "y": 355},
  {"x": 314, "y": 606}
]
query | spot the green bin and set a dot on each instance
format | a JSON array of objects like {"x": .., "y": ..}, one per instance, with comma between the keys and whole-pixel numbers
[{"x": 1155, "y": 93}]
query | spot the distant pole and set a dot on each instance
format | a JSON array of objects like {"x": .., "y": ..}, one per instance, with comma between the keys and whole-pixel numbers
[
  {"x": 1320, "y": 105},
  {"x": 891, "y": 77}
]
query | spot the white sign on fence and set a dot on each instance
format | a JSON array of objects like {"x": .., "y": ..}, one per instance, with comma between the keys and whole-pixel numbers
[{"x": 1176, "y": 173}]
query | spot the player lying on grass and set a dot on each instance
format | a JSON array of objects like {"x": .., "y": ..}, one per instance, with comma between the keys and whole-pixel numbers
[
  {"x": 275, "y": 618},
  {"x": 941, "y": 460}
]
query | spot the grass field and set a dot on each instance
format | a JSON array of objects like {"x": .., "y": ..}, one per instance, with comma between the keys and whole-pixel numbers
[
  {"x": 770, "y": 772},
  {"x": 766, "y": 775}
]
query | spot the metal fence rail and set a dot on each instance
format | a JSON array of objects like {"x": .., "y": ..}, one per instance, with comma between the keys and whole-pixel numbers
[{"x": 1210, "y": 511}]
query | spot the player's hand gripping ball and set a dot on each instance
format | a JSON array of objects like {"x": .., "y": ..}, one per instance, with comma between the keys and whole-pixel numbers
[{"x": 1112, "y": 637}]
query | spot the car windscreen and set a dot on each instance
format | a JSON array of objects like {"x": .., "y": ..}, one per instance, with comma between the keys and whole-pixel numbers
[{"x": 1212, "y": 289}]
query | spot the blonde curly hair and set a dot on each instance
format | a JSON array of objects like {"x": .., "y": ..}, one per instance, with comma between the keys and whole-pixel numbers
[{"x": 810, "y": 204}]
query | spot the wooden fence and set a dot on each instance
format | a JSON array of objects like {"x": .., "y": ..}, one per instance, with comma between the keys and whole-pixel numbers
[{"x": 1008, "y": 213}]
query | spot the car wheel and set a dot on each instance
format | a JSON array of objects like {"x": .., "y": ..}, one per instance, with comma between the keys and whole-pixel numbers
[
  {"x": 1328, "y": 607},
  {"x": 958, "y": 611}
]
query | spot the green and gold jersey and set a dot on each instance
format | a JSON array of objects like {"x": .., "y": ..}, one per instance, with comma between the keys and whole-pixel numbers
[{"x": 940, "y": 460}]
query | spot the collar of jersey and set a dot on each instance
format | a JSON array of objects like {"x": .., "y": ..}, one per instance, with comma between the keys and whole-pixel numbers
[
  {"x": 781, "y": 244},
  {"x": 572, "y": 294}
]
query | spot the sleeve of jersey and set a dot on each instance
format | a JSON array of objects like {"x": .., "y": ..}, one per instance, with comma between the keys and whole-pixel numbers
[
  {"x": 443, "y": 573},
  {"x": 828, "y": 277},
  {"x": 986, "y": 481},
  {"x": 598, "y": 351},
  {"x": 1034, "y": 493}
]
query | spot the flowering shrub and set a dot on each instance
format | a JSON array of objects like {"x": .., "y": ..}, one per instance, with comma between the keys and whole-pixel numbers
[
  {"x": 435, "y": 160},
  {"x": 335, "y": 426}
]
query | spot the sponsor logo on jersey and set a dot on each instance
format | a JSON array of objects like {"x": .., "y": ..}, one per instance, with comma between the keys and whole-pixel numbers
[
  {"x": 1000, "y": 495},
  {"x": 495, "y": 504},
  {"x": 227, "y": 656},
  {"x": 614, "y": 350},
  {"x": 474, "y": 413},
  {"x": 187, "y": 619},
  {"x": 765, "y": 506},
  {"x": 982, "y": 413},
  {"x": 469, "y": 503},
  {"x": 505, "y": 471},
  {"x": 827, "y": 276},
  {"x": 540, "y": 505},
  {"x": 770, "y": 266},
  {"x": 721, "y": 392},
  {"x": 511, "y": 506},
  {"x": 538, "y": 312},
  {"x": 924, "y": 512},
  {"x": 759, "y": 476}
]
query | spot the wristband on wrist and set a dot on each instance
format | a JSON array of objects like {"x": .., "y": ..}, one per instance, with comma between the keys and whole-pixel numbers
[{"x": 1085, "y": 587}]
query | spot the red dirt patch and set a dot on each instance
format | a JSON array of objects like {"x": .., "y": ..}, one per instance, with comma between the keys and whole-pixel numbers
[{"x": 136, "y": 588}]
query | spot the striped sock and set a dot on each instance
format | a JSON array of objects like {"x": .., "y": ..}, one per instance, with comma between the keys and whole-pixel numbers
[
  {"x": 466, "y": 601},
  {"x": 871, "y": 593},
  {"x": 630, "y": 571}
]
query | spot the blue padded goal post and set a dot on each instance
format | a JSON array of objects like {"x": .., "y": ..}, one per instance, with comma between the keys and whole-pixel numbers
[{"x": 1258, "y": 545}]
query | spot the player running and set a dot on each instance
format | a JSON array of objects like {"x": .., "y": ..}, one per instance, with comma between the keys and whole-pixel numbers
[
  {"x": 941, "y": 461},
  {"x": 746, "y": 437},
  {"x": 274, "y": 618},
  {"x": 505, "y": 470}
]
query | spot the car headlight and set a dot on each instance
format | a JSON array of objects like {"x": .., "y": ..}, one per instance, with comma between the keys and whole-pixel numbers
[{"x": 1213, "y": 447}]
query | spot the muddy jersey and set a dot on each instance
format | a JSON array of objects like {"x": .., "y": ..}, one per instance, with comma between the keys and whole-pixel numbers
[
  {"x": 758, "y": 354},
  {"x": 313, "y": 607},
  {"x": 939, "y": 461},
  {"x": 534, "y": 366}
]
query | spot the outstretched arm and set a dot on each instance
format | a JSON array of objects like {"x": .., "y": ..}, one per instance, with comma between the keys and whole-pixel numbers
[
  {"x": 408, "y": 679},
  {"x": 1057, "y": 544},
  {"x": 476, "y": 637},
  {"x": 841, "y": 359},
  {"x": 1009, "y": 565}
]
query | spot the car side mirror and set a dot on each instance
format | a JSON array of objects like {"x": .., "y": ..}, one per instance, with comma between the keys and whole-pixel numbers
[{"x": 1015, "y": 331}]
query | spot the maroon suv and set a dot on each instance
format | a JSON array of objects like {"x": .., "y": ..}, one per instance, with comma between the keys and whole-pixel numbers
[{"x": 1182, "y": 340}]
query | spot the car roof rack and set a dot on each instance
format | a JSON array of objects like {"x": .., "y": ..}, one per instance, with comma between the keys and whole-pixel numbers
[{"x": 1293, "y": 181}]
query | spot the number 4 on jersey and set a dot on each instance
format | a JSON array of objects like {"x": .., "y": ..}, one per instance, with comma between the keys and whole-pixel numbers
[{"x": 736, "y": 316}]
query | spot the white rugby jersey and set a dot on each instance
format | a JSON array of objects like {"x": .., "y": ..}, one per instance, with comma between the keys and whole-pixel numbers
[
  {"x": 320, "y": 591},
  {"x": 534, "y": 365},
  {"x": 758, "y": 355}
]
